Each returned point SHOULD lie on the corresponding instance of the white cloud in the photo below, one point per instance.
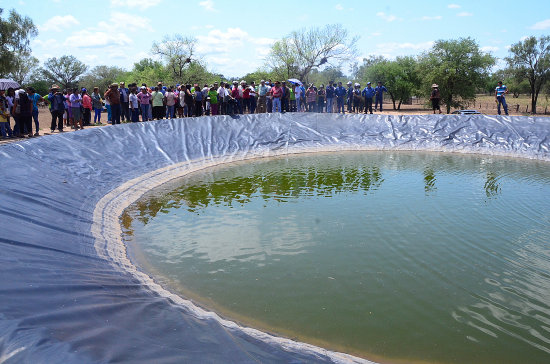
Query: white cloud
(120, 21)
(92, 39)
(208, 5)
(376, 34)
(488, 49)
(393, 47)
(339, 7)
(524, 37)
(58, 23)
(541, 25)
(464, 13)
(386, 17)
(453, 6)
(142, 5)
(437, 17)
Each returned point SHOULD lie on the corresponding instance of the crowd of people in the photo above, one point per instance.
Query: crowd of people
(74, 107)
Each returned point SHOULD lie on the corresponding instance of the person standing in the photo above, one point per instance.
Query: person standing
(134, 105)
(113, 97)
(277, 94)
(349, 95)
(5, 126)
(330, 96)
(97, 105)
(262, 93)
(57, 109)
(23, 113)
(144, 98)
(198, 96)
(170, 103)
(435, 97)
(124, 102)
(35, 98)
(252, 93)
(158, 103)
(76, 102)
(379, 95)
(357, 99)
(87, 108)
(500, 92)
(321, 98)
(340, 93)
(298, 95)
(214, 101)
(368, 93)
(311, 98)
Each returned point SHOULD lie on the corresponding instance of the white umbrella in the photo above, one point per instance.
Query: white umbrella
(295, 81)
(6, 84)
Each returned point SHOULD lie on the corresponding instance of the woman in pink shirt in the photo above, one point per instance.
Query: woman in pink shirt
(87, 105)
(144, 98)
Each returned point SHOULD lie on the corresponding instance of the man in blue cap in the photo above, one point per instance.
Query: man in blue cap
(368, 93)
(379, 95)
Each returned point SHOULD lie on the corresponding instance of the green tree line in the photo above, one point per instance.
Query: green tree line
(315, 55)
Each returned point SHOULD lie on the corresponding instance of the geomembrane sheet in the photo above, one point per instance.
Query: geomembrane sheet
(69, 294)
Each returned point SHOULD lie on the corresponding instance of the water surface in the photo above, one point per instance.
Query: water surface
(393, 256)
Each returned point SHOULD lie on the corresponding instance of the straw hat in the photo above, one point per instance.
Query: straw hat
(434, 85)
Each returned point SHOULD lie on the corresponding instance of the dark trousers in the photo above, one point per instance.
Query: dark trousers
(86, 117)
(377, 101)
(125, 111)
(285, 105)
(368, 105)
(135, 115)
(252, 105)
(24, 122)
(115, 114)
(57, 116)
(320, 105)
(198, 108)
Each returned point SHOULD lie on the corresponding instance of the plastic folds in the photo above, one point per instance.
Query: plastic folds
(69, 294)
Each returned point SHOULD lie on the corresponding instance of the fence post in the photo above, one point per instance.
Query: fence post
(527, 109)
(546, 108)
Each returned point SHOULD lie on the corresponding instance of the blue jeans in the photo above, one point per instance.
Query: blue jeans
(377, 100)
(109, 115)
(144, 112)
(170, 111)
(340, 104)
(97, 116)
(329, 104)
(35, 118)
(276, 104)
(5, 127)
(298, 104)
(502, 100)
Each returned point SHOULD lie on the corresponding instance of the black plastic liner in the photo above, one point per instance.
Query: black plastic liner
(67, 292)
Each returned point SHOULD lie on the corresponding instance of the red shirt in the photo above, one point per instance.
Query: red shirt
(277, 91)
(87, 101)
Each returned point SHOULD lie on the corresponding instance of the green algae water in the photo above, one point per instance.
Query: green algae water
(392, 256)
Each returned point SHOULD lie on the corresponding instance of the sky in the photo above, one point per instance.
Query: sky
(234, 37)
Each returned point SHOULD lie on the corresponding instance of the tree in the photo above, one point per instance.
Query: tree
(102, 76)
(15, 34)
(65, 71)
(400, 77)
(304, 50)
(177, 51)
(458, 66)
(530, 59)
(23, 66)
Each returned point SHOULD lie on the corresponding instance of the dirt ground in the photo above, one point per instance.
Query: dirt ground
(416, 108)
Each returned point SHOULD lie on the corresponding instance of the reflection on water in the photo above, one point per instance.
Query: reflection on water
(434, 258)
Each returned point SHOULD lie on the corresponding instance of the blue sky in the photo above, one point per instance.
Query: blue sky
(235, 36)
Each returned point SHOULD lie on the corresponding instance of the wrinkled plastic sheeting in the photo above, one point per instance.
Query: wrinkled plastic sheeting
(60, 301)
